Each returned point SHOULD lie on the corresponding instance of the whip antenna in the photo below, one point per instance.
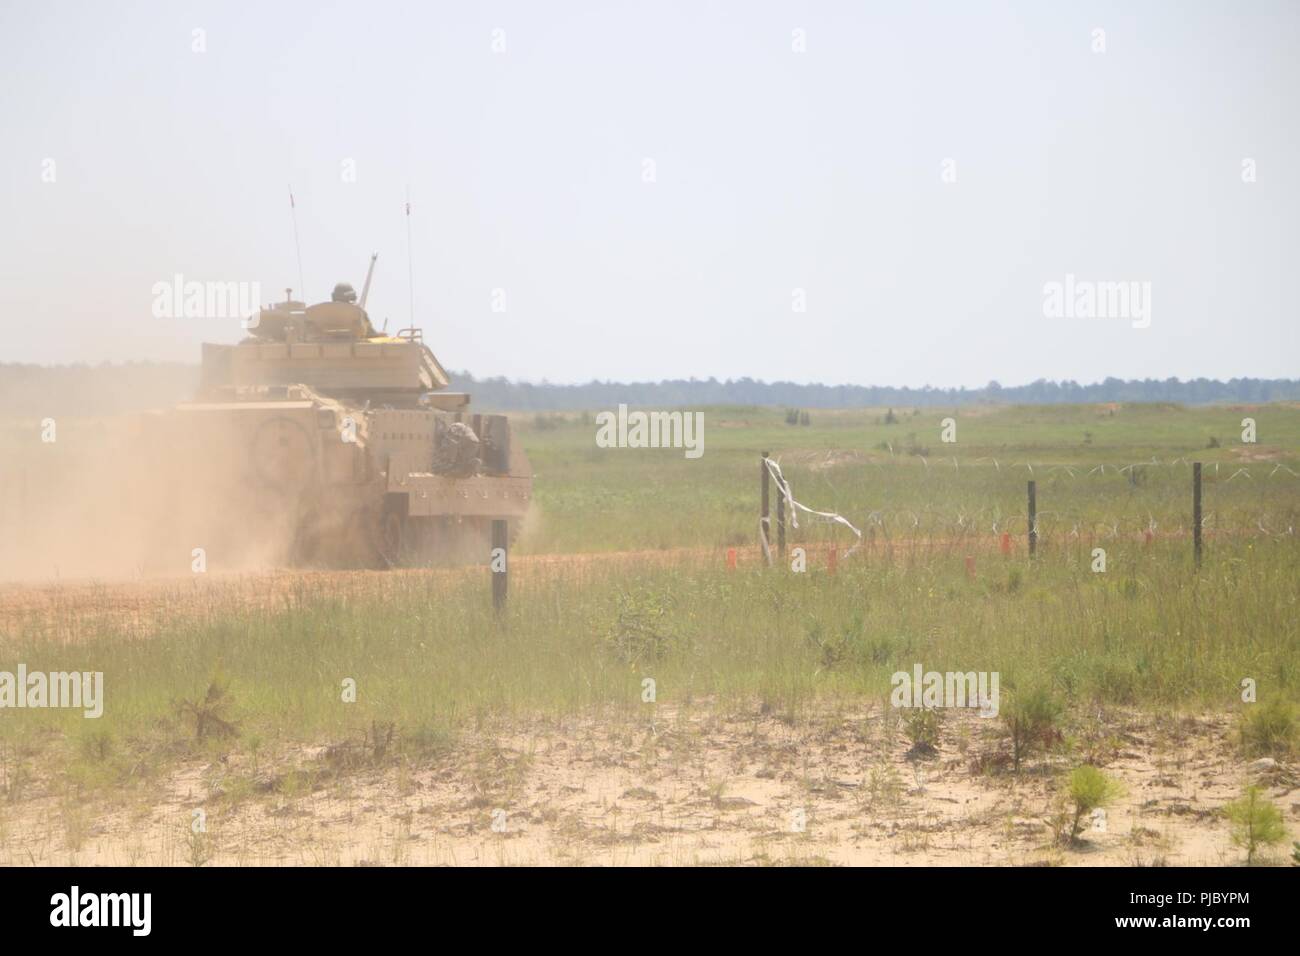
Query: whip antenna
(293, 212)
(410, 268)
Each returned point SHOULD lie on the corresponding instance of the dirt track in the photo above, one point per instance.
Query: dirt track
(75, 609)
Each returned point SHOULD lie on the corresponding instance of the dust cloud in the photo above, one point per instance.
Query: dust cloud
(127, 496)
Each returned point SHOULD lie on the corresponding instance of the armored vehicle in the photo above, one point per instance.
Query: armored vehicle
(319, 440)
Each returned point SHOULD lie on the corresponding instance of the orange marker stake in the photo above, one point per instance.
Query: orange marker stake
(1006, 542)
(731, 559)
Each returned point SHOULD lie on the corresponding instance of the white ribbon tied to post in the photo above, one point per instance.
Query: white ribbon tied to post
(783, 489)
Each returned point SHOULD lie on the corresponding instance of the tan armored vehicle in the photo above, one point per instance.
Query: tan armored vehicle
(320, 441)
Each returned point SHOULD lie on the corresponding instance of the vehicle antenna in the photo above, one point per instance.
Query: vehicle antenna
(293, 212)
(410, 268)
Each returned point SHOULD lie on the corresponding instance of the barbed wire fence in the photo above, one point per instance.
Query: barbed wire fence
(1157, 502)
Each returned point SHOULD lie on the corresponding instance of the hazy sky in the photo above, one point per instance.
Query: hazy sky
(774, 170)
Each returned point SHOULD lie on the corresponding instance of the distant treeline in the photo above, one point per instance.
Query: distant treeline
(500, 393)
(37, 391)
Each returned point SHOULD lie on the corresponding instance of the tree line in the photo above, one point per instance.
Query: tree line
(502, 393)
(109, 389)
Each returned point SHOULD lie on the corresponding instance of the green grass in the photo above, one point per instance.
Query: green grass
(436, 662)
(432, 659)
(589, 498)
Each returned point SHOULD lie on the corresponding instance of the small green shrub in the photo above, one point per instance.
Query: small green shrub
(642, 632)
(836, 648)
(1256, 822)
(921, 725)
(1090, 790)
(1030, 718)
(209, 712)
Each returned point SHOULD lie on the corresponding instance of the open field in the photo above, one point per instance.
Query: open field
(901, 479)
(70, 509)
(769, 737)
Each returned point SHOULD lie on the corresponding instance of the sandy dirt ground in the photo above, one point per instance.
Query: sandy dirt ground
(703, 785)
(694, 787)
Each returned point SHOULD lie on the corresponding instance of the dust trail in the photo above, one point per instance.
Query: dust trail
(116, 498)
